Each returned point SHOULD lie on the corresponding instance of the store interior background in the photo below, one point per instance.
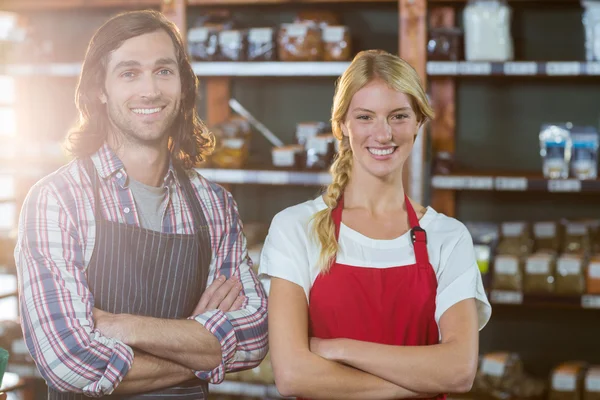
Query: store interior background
(498, 120)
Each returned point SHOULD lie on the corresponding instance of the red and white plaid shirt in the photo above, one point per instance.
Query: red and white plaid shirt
(55, 243)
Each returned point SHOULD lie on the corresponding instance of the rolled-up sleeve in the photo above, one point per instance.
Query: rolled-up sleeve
(243, 333)
(56, 303)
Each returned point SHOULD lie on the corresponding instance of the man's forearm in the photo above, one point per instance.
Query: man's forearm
(149, 373)
(184, 342)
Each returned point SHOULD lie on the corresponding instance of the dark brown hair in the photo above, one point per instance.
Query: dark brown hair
(190, 141)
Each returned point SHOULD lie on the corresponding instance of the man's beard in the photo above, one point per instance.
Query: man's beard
(124, 129)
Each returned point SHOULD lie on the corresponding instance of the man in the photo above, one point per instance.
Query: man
(116, 248)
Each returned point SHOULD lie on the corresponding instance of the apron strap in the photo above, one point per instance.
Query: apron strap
(89, 167)
(191, 198)
(336, 214)
(418, 236)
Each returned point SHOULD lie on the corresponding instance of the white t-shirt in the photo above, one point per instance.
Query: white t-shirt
(291, 252)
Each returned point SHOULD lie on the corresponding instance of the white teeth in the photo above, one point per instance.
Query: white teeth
(146, 110)
(385, 152)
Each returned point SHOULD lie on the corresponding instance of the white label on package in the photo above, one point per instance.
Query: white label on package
(564, 382)
(592, 381)
(227, 38)
(19, 347)
(512, 229)
(576, 229)
(594, 270)
(506, 265)
(296, 30)
(538, 266)
(569, 266)
(492, 367)
(544, 230)
(233, 143)
(197, 35)
(333, 34)
(260, 35)
(283, 158)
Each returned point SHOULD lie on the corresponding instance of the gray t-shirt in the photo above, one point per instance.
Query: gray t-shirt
(150, 202)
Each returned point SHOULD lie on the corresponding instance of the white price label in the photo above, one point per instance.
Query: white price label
(492, 367)
(442, 68)
(333, 34)
(569, 266)
(564, 185)
(543, 230)
(228, 38)
(448, 182)
(563, 68)
(592, 380)
(538, 266)
(576, 229)
(296, 30)
(260, 35)
(475, 68)
(512, 229)
(590, 301)
(594, 271)
(564, 382)
(520, 68)
(506, 297)
(593, 68)
(506, 183)
(506, 265)
(480, 183)
(197, 35)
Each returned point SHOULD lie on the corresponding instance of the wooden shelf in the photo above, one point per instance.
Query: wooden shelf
(507, 297)
(225, 69)
(49, 5)
(517, 68)
(266, 177)
(512, 183)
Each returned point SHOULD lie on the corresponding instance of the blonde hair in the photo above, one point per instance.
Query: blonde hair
(366, 66)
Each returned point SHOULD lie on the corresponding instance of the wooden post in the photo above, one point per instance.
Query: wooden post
(176, 11)
(443, 127)
(412, 44)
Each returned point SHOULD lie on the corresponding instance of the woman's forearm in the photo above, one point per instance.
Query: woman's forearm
(440, 368)
(314, 377)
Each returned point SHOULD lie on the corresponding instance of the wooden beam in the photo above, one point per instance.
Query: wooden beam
(412, 42)
(443, 127)
(176, 11)
(217, 100)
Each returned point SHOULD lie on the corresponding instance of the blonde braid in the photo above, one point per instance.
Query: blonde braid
(323, 226)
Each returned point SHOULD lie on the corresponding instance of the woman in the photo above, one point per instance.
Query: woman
(372, 296)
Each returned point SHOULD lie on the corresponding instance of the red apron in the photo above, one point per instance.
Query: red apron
(393, 306)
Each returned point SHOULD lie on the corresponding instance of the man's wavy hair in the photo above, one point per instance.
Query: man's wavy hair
(189, 142)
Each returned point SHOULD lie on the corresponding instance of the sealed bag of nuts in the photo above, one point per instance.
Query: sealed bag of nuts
(566, 382)
(300, 42)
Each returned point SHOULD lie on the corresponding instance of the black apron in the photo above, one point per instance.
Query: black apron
(142, 272)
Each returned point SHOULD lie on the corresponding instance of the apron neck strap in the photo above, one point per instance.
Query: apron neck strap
(418, 236)
(336, 214)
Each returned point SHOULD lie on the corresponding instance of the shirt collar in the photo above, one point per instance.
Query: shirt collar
(108, 164)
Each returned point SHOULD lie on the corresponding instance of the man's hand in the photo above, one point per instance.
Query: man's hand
(223, 294)
(112, 325)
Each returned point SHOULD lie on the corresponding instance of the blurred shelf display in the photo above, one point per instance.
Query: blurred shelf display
(513, 68)
(512, 183)
(265, 177)
(246, 389)
(208, 68)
